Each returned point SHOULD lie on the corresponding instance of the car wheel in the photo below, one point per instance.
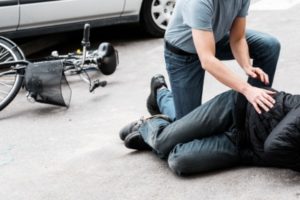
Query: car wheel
(155, 16)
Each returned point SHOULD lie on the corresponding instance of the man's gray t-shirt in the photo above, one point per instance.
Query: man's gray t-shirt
(209, 15)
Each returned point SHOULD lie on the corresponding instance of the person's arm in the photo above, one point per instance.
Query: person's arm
(291, 101)
(282, 145)
(205, 45)
(240, 50)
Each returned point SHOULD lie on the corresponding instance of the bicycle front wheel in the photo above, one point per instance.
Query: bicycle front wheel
(10, 80)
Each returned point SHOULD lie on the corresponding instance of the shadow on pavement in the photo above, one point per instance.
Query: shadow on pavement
(40, 46)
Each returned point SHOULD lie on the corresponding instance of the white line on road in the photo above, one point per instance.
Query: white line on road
(274, 4)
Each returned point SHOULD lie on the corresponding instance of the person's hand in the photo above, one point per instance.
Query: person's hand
(257, 73)
(260, 98)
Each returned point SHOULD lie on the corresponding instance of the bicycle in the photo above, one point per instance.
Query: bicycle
(43, 78)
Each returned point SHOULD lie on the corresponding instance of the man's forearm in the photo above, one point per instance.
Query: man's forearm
(240, 52)
(223, 74)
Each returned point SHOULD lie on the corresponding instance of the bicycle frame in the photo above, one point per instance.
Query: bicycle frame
(104, 59)
(22, 64)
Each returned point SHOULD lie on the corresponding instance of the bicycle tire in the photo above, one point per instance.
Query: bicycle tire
(16, 54)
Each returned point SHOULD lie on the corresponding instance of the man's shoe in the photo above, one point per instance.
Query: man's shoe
(135, 141)
(133, 138)
(157, 82)
(132, 127)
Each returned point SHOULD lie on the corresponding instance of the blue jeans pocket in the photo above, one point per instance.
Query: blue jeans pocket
(184, 71)
(175, 60)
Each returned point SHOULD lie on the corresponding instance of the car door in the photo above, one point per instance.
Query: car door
(9, 15)
(39, 13)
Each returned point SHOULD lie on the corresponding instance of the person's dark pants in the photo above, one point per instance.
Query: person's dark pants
(186, 74)
(197, 142)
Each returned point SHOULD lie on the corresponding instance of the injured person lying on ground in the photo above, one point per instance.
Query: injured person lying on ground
(224, 132)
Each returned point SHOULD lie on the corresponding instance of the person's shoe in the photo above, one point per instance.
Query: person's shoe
(134, 140)
(132, 127)
(157, 82)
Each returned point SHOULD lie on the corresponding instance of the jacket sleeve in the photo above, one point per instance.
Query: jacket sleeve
(282, 147)
(291, 101)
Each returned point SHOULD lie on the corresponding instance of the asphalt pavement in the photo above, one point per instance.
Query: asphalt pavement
(53, 153)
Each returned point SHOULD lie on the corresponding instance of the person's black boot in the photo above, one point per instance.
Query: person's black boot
(157, 82)
(135, 141)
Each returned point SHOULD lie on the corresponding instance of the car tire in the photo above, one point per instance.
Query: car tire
(155, 16)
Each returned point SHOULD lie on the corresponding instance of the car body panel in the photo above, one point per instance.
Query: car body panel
(132, 7)
(55, 12)
(9, 15)
(19, 18)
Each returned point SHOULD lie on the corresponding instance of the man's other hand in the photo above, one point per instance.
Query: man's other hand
(257, 73)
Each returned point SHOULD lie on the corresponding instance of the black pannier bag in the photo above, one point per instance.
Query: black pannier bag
(46, 83)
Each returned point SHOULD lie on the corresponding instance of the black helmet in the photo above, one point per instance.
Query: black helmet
(107, 58)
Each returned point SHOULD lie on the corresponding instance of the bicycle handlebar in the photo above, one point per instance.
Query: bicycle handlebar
(86, 36)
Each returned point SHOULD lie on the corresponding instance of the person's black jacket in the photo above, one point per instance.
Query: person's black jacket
(271, 138)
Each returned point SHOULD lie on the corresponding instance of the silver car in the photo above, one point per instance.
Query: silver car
(34, 17)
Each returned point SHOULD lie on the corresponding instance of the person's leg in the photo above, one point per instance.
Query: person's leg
(165, 103)
(160, 99)
(215, 116)
(186, 75)
(207, 154)
(264, 49)
(186, 78)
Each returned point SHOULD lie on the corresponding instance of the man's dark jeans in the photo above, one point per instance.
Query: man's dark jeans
(186, 74)
(197, 142)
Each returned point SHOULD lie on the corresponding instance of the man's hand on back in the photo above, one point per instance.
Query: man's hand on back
(259, 98)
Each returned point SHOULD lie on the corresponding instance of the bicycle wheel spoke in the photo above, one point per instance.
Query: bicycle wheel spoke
(7, 73)
(2, 50)
(4, 84)
(10, 79)
(3, 55)
(3, 92)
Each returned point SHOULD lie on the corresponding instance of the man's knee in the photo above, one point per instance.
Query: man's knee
(272, 44)
(208, 154)
(178, 162)
(263, 45)
(183, 162)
